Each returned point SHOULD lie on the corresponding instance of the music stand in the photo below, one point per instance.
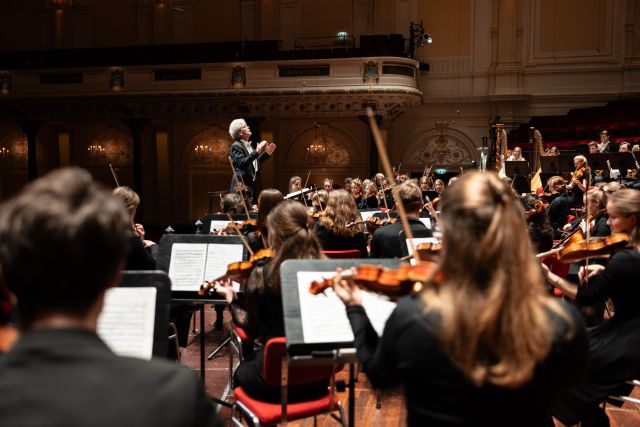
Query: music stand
(597, 161)
(518, 171)
(300, 349)
(621, 161)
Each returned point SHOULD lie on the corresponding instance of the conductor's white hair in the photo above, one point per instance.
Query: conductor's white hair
(235, 127)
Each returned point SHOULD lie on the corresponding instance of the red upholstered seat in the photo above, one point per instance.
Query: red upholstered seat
(241, 333)
(271, 413)
(350, 253)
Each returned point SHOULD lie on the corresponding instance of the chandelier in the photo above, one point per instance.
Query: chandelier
(317, 150)
(4, 153)
(204, 150)
(96, 150)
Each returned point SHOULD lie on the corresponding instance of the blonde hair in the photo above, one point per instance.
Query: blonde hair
(628, 202)
(340, 210)
(130, 198)
(583, 161)
(494, 311)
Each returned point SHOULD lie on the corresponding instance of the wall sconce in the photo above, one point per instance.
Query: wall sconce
(117, 80)
(4, 153)
(204, 150)
(5, 84)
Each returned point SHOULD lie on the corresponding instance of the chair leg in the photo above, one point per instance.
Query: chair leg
(378, 403)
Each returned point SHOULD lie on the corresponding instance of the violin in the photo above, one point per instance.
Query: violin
(243, 227)
(427, 252)
(238, 271)
(597, 247)
(393, 283)
(538, 209)
(357, 195)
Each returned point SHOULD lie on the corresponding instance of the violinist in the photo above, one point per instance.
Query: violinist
(327, 185)
(348, 184)
(319, 202)
(63, 241)
(379, 179)
(267, 200)
(538, 226)
(595, 202)
(580, 180)
(332, 229)
(614, 346)
(425, 184)
(295, 184)
(386, 241)
(259, 310)
(482, 328)
(139, 257)
(358, 194)
(559, 203)
(371, 196)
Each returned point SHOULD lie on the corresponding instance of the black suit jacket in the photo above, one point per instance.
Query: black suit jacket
(386, 241)
(69, 377)
(242, 161)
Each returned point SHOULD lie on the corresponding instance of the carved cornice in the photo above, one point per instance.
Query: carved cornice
(282, 103)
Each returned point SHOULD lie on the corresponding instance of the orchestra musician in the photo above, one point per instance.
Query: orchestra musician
(358, 194)
(245, 159)
(63, 242)
(614, 346)
(327, 185)
(259, 310)
(580, 180)
(333, 230)
(605, 146)
(482, 333)
(386, 241)
(559, 204)
(516, 155)
(371, 195)
(295, 184)
(267, 200)
(140, 257)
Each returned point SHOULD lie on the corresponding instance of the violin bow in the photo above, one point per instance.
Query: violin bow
(304, 199)
(387, 167)
(113, 173)
(237, 230)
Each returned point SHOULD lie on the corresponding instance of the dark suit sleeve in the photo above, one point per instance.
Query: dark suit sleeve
(240, 158)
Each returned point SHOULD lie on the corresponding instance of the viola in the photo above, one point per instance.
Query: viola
(238, 271)
(393, 283)
(597, 247)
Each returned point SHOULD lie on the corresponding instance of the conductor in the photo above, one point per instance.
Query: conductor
(245, 159)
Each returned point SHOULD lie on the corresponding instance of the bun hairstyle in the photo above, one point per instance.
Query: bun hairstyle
(290, 237)
(487, 306)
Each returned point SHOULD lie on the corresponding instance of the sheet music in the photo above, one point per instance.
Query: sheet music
(220, 256)
(127, 320)
(324, 318)
(218, 225)
(186, 267)
(365, 215)
(416, 242)
(426, 222)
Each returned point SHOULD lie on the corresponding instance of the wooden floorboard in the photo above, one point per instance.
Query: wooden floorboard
(392, 411)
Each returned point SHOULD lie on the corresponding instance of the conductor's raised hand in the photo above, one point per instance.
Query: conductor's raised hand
(348, 292)
(271, 148)
(262, 145)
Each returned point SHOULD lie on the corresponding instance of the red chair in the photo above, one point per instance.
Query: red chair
(275, 359)
(350, 253)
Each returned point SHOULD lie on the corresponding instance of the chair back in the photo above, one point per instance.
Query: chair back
(349, 253)
(275, 350)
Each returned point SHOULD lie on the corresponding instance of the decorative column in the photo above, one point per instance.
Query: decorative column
(136, 127)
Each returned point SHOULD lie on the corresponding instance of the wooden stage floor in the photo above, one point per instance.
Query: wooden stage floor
(392, 410)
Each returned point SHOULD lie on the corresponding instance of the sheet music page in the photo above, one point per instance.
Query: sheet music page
(127, 321)
(186, 267)
(416, 242)
(217, 224)
(426, 222)
(220, 256)
(368, 214)
(324, 318)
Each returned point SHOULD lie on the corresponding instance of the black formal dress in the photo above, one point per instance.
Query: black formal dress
(139, 258)
(242, 160)
(436, 391)
(332, 242)
(577, 194)
(558, 212)
(614, 346)
(69, 377)
(386, 241)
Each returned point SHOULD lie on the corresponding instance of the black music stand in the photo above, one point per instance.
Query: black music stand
(597, 161)
(518, 171)
(163, 263)
(622, 161)
(555, 165)
(160, 281)
(300, 350)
